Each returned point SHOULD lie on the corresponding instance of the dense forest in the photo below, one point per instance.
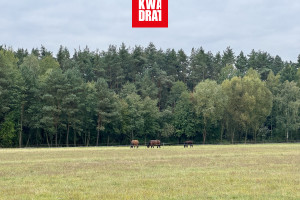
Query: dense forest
(110, 97)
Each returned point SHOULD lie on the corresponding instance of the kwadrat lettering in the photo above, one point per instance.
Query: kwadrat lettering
(150, 10)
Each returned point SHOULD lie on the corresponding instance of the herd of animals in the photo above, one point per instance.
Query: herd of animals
(152, 143)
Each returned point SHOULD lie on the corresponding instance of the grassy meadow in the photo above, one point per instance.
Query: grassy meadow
(269, 171)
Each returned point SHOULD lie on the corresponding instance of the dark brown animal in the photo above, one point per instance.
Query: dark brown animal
(187, 143)
(134, 143)
(153, 143)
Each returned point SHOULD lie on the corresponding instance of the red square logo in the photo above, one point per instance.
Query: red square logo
(150, 13)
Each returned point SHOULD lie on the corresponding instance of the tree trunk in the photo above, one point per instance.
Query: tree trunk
(98, 128)
(246, 136)
(56, 125)
(107, 140)
(271, 127)
(232, 135)
(88, 139)
(28, 139)
(74, 136)
(56, 135)
(287, 130)
(97, 137)
(21, 126)
(68, 131)
(222, 131)
(59, 141)
(204, 131)
(36, 135)
(47, 139)
(204, 135)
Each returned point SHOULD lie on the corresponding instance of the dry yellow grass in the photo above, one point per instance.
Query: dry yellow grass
(270, 171)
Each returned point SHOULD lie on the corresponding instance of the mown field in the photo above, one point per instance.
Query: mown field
(270, 171)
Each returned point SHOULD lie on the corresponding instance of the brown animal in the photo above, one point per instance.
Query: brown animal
(134, 143)
(153, 143)
(187, 143)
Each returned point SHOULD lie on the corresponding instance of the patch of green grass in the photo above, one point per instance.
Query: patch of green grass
(270, 171)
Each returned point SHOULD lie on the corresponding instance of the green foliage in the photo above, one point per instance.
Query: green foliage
(227, 72)
(7, 133)
(287, 105)
(210, 103)
(47, 63)
(228, 57)
(185, 120)
(53, 90)
(63, 58)
(21, 54)
(134, 117)
(262, 62)
(11, 83)
(106, 106)
(146, 87)
(182, 67)
(72, 102)
(250, 102)
(241, 63)
(112, 96)
(32, 63)
(150, 115)
(113, 68)
(128, 88)
(199, 69)
(177, 89)
(297, 78)
(288, 73)
(277, 65)
(273, 83)
(259, 100)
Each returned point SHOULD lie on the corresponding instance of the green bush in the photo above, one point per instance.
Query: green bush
(7, 133)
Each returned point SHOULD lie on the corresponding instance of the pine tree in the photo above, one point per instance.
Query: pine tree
(228, 57)
(241, 63)
(72, 103)
(185, 120)
(106, 106)
(53, 90)
(63, 58)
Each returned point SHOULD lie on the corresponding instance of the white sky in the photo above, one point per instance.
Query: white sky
(267, 25)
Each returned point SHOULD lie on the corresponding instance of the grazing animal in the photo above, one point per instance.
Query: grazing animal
(134, 143)
(153, 143)
(187, 143)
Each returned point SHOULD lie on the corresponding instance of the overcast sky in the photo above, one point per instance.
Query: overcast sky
(267, 25)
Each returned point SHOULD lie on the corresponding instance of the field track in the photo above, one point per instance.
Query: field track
(269, 171)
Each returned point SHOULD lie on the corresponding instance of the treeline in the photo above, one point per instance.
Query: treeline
(110, 97)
